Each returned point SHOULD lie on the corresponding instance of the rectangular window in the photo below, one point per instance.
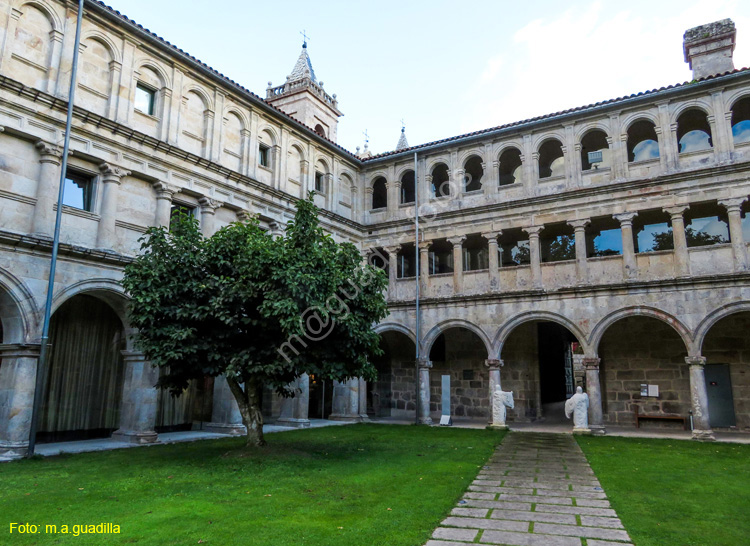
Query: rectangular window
(319, 182)
(263, 159)
(178, 209)
(145, 99)
(79, 191)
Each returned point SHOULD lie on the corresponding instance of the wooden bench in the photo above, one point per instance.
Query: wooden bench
(663, 416)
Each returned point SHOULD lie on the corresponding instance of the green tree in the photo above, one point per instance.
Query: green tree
(665, 239)
(261, 311)
(562, 247)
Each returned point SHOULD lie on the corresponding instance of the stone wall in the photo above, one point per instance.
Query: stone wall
(728, 342)
(638, 350)
(520, 373)
(394, 391)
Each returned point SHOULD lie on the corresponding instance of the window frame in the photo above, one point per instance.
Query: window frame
(152, 93)
(264, 155)
(77, 176)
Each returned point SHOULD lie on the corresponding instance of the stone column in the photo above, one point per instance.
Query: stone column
(458, 263)
(629, 263)
(47, 189)
(208, 215)
(17, 384)
(491, 237)
(535, 255)
(493, 365)
(294, 411)
(392, 194)
(346, 400)
(363, 400)
(111, 177)
(739, 249)
(681, 257)
(164, 193)
(594, 390)
(699, 397)
(225, 413)
(424, 268)
(423, 408)
(579, 226)
(139, 399)
(392, 269)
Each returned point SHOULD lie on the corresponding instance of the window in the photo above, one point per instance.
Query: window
(145, 99)
(79, 191)
(407, 188)
(180, 210)
(263, 156)
(379, 194)
(319, 182)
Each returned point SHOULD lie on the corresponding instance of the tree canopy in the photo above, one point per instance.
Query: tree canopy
(260, 310)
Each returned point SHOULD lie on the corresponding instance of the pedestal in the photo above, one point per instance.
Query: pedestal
(17, 384)
(139, 399)
(225, 414)
(346, 401)
(294, 411)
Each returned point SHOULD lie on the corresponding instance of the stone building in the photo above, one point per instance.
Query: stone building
(603, 245)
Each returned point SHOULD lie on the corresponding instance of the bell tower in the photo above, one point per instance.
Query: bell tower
(303, 98)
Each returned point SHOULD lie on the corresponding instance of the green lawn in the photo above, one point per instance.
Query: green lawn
(350, 485)
(675, 492)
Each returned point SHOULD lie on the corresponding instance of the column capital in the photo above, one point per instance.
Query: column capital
(591, 362)
(625, 218)
(424, 246)
(392, 250)
(112, 173)
(424, 364)
(209, 205)
(492, 236)
(12, 350)
(165, 190)
(49, 152)
(494, 363)
(533, 231)
(457, 240)
(695, 360)
(580, 223)
(133, 356)
(676, 210)
(734, 204)
(245, 215)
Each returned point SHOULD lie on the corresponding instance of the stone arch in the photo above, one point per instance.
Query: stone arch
(384, 327)
(712, 318)
(234, 111)
(435, 161)
(541, 138)
(106, 41)
(109, 291)
(155, 67)
(47, 10)
(594, 125)
(695, 104)
(18, 310)
(506, 329)
(323, 163)
(441, 327)
(634, 117)
(198, 90)
(297, 145)
(372, 177)
(503, 146)
(639, 310)
(403, 169)
(270, 131)
(467, 154)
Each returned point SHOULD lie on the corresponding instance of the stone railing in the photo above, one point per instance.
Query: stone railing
(299, 85)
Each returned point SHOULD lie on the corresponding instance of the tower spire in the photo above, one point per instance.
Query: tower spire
(403, 144)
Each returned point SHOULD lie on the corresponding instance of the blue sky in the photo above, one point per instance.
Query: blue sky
(446, 68)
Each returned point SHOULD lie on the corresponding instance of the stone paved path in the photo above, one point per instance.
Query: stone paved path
(536, 490)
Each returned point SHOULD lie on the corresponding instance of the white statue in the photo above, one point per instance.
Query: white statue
(578, 406)
(500, 400)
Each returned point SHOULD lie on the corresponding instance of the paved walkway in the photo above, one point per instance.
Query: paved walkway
(536, 490)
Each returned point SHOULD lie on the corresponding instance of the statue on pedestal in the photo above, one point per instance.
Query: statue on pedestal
(578, 406)
(500, 401)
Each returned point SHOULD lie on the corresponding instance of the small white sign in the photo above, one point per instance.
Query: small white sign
(445, 421)
(653, 390)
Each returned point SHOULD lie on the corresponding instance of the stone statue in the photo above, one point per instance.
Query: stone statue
(500, 400)
(578, 406)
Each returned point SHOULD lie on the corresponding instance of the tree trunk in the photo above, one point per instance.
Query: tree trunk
(248, 400)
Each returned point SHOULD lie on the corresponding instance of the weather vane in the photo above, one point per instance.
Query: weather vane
(402, 124)
(305, 37)
(367, 137)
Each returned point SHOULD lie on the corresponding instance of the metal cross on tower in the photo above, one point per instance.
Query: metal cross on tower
(305, 38)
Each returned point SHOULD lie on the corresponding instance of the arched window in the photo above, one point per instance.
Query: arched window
(379, 194)
(593, 142)
(473, 173)
(741, 121)
(94, 77)
(441, 186)
(319, 129)
(511, 167)
(407, 187)
(693, 131)
(643, 143)
(551, 159)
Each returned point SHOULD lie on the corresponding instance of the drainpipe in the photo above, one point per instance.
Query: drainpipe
(416, 284)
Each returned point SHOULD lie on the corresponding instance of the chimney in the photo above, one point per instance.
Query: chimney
(708, 48)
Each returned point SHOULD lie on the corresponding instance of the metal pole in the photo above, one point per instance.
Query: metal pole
(43, 352)
(416, 255)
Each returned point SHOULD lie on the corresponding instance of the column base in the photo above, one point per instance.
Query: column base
(365, 418)
(291, 422)
(425, 420)
(11, 451)
(352, 417)
(497, 427)
(598, 430)
(134, 437)
(232, 429)
(583, 431)
(704, 435)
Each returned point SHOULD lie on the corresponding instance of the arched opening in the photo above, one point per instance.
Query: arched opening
(84, 376)
(319, 130)
(741, 121)
(407, 187)
(187, 411)
(320, 404)
(473, 173)
(393, 394)
(643, 142)
(379, 194)
(440, 181)
(542, 369)
(551, 159)
(460, 353)
(693, 131)
(510, 166)
(635, 352)
(595, 143)
(727, 351)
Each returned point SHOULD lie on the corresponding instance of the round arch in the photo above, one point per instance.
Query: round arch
(441, 327)
(697, 104)
(54, 18)
(507, 146)
(715, 316)
(105, 40)
(18, 310)
(638, 310)
(384, 327)
(635, 117)
(537, 143)
(148, 63)
(436, 161)
(232, 111)
(507, 329)
(466, 155)
(109, 291)
(586, 128)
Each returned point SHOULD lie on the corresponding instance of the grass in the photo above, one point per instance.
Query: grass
(351, 485)
(675, 492)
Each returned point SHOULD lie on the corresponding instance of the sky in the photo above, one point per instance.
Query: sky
(444, 68)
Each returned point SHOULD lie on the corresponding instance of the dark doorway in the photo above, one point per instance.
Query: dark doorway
(555, 367)
(321, 398)
(720, 399)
